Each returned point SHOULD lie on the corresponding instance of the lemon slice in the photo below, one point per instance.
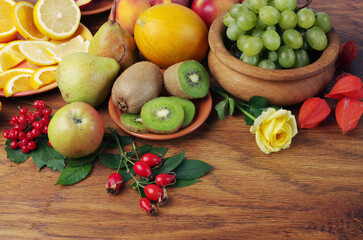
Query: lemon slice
(8, 31)
(22, 16)
(16, 84)
(2, 45)
(57, 19)
(34, 52)
(5, 76)
(42, 77)
(10, 55)
(81, 31)
(61, 51)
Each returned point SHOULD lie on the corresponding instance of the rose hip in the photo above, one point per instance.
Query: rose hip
(164, 179)
(142, 169)
(114, 183)
(155, 193)
(146, 205)
(151, 159)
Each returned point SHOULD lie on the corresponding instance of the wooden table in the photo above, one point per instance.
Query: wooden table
(313, 190)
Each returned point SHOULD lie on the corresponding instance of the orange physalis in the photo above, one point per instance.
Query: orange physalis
(347, 53)
(313, 112)
(348, 112)
(349, 86)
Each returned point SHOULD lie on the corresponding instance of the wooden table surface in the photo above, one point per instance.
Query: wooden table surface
(313, 190)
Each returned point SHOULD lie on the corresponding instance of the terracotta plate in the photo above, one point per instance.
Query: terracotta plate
(97, 6)
(203, 108)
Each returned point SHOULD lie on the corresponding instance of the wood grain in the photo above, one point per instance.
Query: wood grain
(311, 191)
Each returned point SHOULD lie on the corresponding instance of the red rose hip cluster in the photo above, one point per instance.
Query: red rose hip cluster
(28, 126)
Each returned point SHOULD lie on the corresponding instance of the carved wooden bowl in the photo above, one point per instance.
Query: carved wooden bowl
(281, 87)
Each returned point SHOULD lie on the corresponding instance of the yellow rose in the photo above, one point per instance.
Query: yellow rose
(274, 130)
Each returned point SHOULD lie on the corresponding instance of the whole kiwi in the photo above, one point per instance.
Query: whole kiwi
(138, 84)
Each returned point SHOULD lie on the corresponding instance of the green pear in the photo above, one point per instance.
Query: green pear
(84, 77)
(111, 40)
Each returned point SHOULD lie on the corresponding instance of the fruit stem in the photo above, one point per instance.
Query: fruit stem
(113, 13)
(134, 149)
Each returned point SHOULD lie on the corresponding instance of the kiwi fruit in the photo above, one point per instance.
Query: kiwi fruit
(189, 109)
(133, 123)
(188, 79)
(138, 84)
(162, 115)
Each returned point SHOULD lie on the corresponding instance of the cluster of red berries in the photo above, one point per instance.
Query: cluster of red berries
(27, 126)
(155, 193)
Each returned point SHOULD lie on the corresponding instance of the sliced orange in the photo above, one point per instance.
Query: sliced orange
(10, 56)
(8, 31)
(2, 45)
(16, 84)
(35, 52)
(42, 77)
(6, 75)
(22, 16)
(57, 19)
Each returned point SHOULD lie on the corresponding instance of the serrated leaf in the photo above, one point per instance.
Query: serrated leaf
(44, 155)
(125, 175)
(184, 183)
(192, 169)
(15, 155)
(149, 149)
(231, 106)
(75, 162)
(170, 163)
(144, 149)
(124, 141)
(159, 150)
(221, 109)
(73, 175)
(111, 160)
(257, 102)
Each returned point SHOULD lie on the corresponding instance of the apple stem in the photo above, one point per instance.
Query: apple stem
(113, 13)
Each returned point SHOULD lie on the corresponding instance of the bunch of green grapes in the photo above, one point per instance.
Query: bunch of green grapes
(273, 34)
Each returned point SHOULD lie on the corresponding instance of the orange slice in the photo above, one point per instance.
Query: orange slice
(22, 16)
(10, 56)
(16, 84)
(7, 30)
(42, 77)
(5, 76)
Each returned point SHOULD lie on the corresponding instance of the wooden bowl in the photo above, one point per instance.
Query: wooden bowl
(280, 87)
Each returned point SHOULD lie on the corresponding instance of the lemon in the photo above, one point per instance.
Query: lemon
(17, 83)
(81, 31)
(35, 52)
(6, 75)
(8, 31)
(57, 19)
(2, 45)
(10, 55)
(43, 76)
(22, 16)
(61, 51)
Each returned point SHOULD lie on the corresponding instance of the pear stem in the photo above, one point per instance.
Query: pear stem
(113, 12)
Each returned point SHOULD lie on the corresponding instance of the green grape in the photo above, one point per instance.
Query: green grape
(228, 19)
(252, 60)
(272, 56)
(236, 9)
(271, 3)
(260, 24)
(288, 20)
(317, 38)
(267, 64)
(283, 5)
(233, 32)
(323, 21)
(305, 18)
(252, 46)
(286, 56)
(302, 59)
(246, 3)
(271, 28)
(257, 32)
(269, 15)
(271, 40)
(246, 20)
(292, 38)
(240, 41)
(305, 46)
(256, 5)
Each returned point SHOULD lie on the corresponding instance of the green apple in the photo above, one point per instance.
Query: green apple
(76, 130)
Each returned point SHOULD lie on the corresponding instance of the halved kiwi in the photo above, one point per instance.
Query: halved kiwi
(162, 115)
(187, 79)
(133, 123)
(189, 109)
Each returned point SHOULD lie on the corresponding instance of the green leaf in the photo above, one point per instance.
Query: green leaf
(257, 102)
(73, 175)
(125, 175)
(124, 140)
(149, 149)
(144, 149)
(15, 155)
(160, 151)
(170, 163)
(221, 109)
(248, 121)
(44, 155)
(75, 162)
(184, 183)
(111, 160)
(231, 106)
(192, 169)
